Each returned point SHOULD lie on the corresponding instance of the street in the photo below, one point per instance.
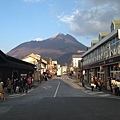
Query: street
(61, 99)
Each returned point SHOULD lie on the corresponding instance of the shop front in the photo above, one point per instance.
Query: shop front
(115, 71)
(113, 66)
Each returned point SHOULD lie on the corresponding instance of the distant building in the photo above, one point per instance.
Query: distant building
(39, 62)
(49, 64)
(32, 58)
(54, 66)
(76, 60)
(77, 65)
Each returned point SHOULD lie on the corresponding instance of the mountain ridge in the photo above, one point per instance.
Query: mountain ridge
(53, 47)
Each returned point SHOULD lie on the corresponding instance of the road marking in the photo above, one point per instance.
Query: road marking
(57, 89)
(47, 87)
(19, 95)
(16, 96)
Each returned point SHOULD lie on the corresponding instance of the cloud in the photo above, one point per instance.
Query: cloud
(102, 2)
(93, 19)
(67, 19)
(33, 1)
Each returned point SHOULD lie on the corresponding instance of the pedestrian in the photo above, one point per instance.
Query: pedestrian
(45, 77)
(82, 79)
(113, 82)
(117, 87)
(29, 81)
(96, 82)
(100, 83)
(110, 84)
(9, 85)
(2, 91)
(92, 81)
(14, 84)
(25, 84)
(22, 85)
(26, 87)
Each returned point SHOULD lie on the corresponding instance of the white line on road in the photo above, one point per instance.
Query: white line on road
(18, 95)
(57, 89)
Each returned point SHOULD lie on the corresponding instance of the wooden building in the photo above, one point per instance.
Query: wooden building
(13, 68)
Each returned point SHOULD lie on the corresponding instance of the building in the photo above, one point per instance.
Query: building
(49, 64)
(39, 62)
(76, 61)
(77, 65)
(11, 67)
(103, 59)
(94, 42)
(54, 67)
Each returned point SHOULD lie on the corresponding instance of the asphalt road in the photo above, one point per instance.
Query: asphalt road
(59, 99)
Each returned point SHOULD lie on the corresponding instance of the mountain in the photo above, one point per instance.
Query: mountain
(67, 58)
(53, 47)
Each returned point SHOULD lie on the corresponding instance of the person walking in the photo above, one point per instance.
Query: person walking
(29, 82)
(25, 84)
(22, 85)
(2, 91)
(96, 82)
(92, 81)
(100, 83)
(9, 85)
(110, 84)
(14, 84)
(45, 77)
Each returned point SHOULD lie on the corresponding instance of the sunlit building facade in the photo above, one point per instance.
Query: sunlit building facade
(103, 59)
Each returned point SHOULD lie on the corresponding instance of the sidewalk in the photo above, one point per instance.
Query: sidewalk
(12, 95)
(88, 87)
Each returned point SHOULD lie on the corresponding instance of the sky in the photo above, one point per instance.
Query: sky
(25, 20)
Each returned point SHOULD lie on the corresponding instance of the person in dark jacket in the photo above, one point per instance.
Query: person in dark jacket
(14, 84)
(22, 85)
(100, 83)
(45, 77)
(9, 85)
(110, 84)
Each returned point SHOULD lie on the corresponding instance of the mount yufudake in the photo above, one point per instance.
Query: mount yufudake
(54, 47)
